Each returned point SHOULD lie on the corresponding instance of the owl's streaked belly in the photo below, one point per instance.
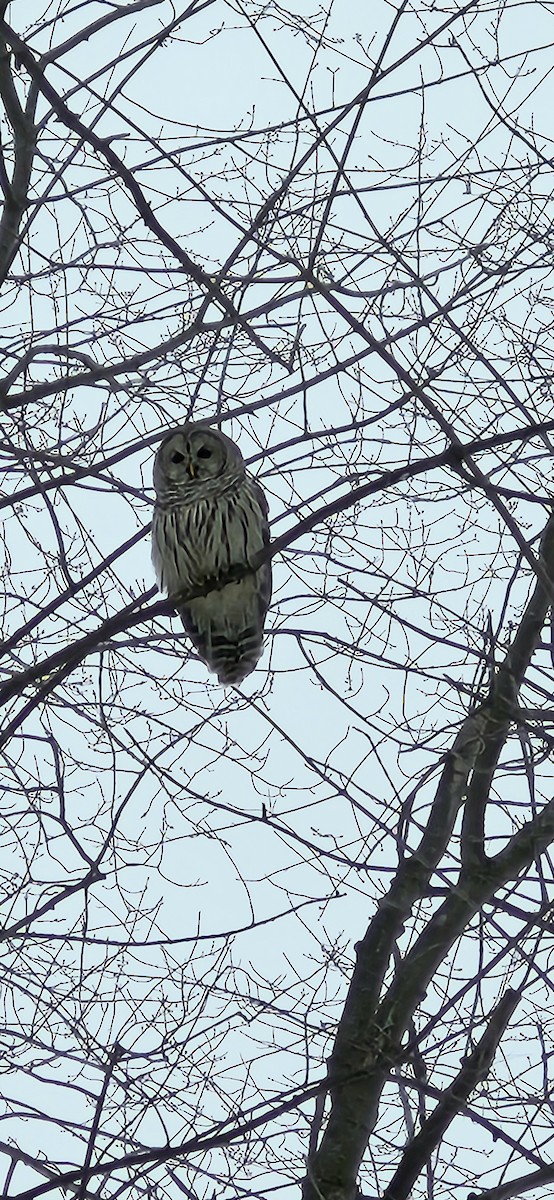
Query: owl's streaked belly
(205, 539)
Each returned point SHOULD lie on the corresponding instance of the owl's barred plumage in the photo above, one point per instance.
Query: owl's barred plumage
(210, 520)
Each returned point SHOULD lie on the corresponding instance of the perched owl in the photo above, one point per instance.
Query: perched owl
(210, 519)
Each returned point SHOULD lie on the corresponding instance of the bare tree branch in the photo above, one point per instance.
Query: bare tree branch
(474, 1070)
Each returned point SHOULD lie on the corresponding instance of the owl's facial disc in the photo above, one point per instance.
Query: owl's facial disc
(194, 454)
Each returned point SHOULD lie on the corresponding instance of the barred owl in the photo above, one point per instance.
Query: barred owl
(210, 519)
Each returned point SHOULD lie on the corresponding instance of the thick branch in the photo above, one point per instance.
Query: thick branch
(517, 1187)
(24, 136)
(474, 1069)
(505, 690)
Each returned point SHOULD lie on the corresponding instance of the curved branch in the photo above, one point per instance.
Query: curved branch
(15, 190)
(474, 1069)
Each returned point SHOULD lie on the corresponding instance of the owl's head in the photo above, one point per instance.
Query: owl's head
(195, 454)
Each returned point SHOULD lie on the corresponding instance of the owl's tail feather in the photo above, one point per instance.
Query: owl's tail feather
(233, 661)
(230, 656)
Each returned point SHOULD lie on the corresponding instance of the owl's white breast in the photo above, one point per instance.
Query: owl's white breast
(193, 542)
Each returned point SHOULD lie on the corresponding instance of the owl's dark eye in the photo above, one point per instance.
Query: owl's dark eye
(177, 457)
(203, 452)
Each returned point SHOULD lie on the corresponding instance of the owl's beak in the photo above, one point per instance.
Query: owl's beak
(191, 469)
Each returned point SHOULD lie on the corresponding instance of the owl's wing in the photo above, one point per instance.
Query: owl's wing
(262, 501)
(264, 575)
